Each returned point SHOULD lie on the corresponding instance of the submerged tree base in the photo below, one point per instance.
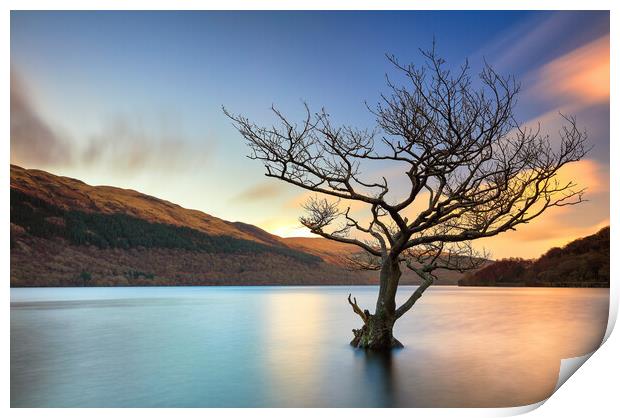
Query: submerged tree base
(361, 339)
(375, 335)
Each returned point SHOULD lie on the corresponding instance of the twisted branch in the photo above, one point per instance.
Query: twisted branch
(357, 309)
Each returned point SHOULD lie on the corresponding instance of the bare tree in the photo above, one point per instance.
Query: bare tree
(477, 171)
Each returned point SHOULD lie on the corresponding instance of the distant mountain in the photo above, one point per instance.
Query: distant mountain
(581, 263)
(65, 232)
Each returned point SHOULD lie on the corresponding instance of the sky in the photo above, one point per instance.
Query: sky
(134, 99)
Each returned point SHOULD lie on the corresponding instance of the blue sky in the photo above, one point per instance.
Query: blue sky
(133, 99)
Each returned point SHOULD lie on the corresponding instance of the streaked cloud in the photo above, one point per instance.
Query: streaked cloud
(578, 78)
(540, 37)
(123, 143)
(33, 141)
(260, 192)
(575, 83)
(131, 145)
(560, 225)
(587, 173)
(522, 40)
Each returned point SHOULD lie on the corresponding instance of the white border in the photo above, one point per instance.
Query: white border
(591, 391)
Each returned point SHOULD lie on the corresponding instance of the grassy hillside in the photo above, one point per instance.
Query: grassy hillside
(69, 194)
(117, 230)
(581, 263)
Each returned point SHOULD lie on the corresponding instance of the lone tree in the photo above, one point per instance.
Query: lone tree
(476, 171)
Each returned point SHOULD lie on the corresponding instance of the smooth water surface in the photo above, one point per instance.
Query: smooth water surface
(288, 346)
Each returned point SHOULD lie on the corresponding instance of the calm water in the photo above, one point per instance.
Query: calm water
(288, 346)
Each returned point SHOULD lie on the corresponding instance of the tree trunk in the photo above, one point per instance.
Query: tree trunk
(376, 334)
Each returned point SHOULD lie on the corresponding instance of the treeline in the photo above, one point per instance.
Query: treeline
(104, 231)
(581, 263)
(39, 262)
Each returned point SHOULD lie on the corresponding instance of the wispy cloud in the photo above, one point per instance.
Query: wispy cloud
(523, 40)
(128, 144)
(541, 37)
(123, 143)
(33, 140)
(558, 226)
(574, 221)
(259, 192)
(578, 78)
(590, 174)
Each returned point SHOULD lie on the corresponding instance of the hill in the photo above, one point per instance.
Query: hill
(65, 232)
(67, 194)
(581, 263)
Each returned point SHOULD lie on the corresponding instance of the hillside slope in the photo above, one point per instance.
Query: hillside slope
(581, 263)
(70, 194)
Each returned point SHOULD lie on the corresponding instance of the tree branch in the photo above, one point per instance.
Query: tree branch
(357, 309)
